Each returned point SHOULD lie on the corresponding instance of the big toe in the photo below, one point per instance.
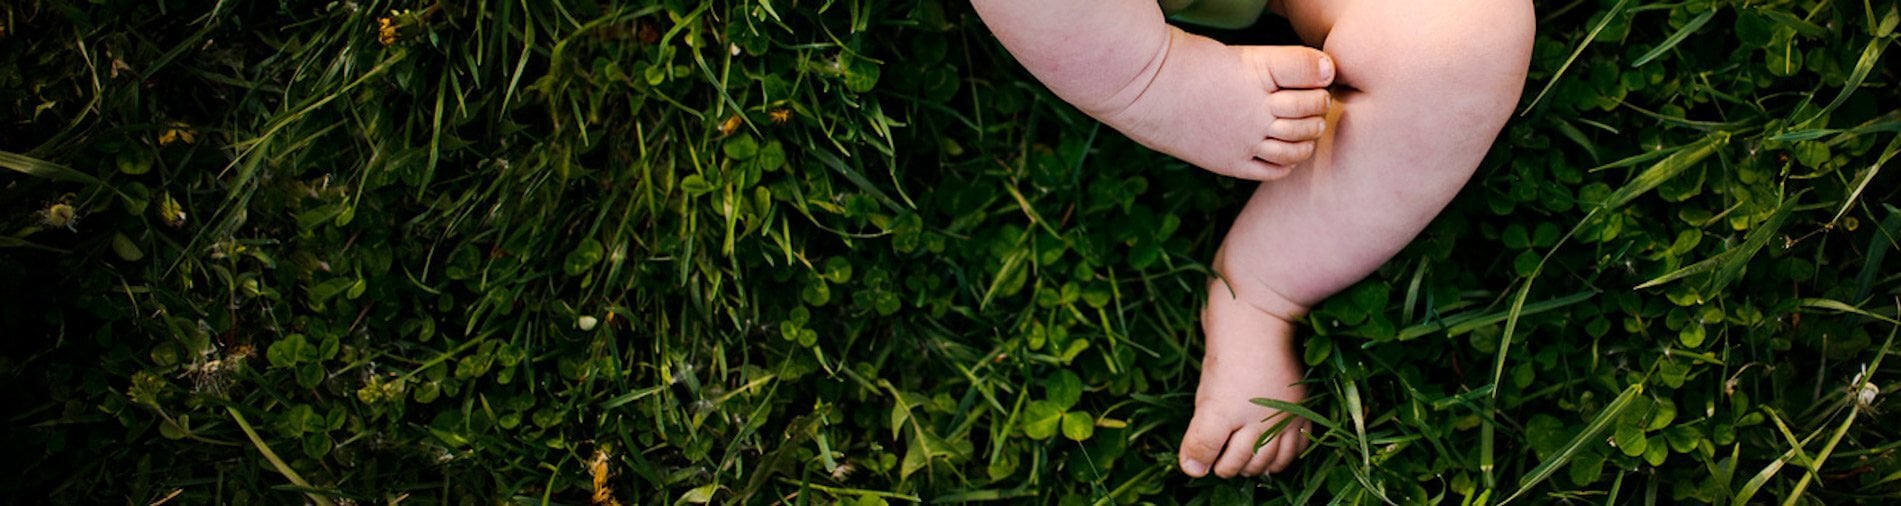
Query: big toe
(1296, 66)
(1202, 444)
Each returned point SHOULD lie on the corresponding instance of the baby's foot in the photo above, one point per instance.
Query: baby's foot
(1251, 112)
(1250, 354)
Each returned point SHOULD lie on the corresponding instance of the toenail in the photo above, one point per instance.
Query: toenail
(1194, 467)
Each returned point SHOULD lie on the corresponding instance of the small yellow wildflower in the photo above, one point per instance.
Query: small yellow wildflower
(729, 126)
(597, 469)
(118, 66)
(780, 115)
(390, 28)
(60, 215)
(386, 30)
(170, 211)
(177, 131)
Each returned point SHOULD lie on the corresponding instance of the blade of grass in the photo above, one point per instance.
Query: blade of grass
(857, 492)
(1488, 459)
(990, 494)
(1412, 292)
(1511, 325)
(1883, 241)
(857, 178)
(521, 60)
(1633, 160)
(1782, 427)
(1029, 210)
(41, 168)
(1577, 136)
(1466, 322)
(1869, 57)
(1762, 477)
(1871, 127)
(1297, 410)
(1836, 305)
(1667, 168)
(1608, 16)
(1518, 305)
(1367, 485)
(1890, 478)
(15, 242)
(1866, 175)
(1854, 412)
(1675, 38)
(1729, 264)
(248, 148)
(1313, 486)
(1010, 267)
(271, 456)
(628, 397)
(1143, 477)
(1603, 420)
(435, 137)
(1357, 411)
(1800, 26)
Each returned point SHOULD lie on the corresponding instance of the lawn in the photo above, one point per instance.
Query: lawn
(848, 251)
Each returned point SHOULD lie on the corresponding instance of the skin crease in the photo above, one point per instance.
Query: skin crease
(1421, 89)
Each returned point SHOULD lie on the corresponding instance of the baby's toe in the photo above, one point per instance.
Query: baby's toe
(1279, 152)
(1292, 442)
(1202, 444)
(1240, 453)
(1297, 129)
(1262, 459)
(1255, 169)
(1295, 66)
(1298, 103)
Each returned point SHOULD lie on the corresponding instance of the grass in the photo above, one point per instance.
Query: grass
(847, 252)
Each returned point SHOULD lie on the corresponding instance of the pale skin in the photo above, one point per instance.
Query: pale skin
(1419, 90)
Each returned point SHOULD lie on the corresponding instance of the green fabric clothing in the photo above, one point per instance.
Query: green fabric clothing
(1225, 14)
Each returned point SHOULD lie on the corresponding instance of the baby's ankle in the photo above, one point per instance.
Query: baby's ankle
(1259, 296)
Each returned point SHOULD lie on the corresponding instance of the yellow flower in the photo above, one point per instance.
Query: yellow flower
(60, 215)
(780, 116)
(177, 131)
(729, 126)
(170, 211)
(597, 469)
(386, 31)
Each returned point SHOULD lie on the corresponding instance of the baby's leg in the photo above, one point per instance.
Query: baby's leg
(1245, 111)
(1424, 88)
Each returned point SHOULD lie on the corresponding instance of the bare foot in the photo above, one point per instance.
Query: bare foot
(1251, 112)
(1250, 354)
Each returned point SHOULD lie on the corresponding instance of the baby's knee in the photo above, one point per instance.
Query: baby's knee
(1428, 45)
(1498, 41)
(1487, 42)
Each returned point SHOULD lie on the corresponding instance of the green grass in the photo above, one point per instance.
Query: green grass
(848, 252)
